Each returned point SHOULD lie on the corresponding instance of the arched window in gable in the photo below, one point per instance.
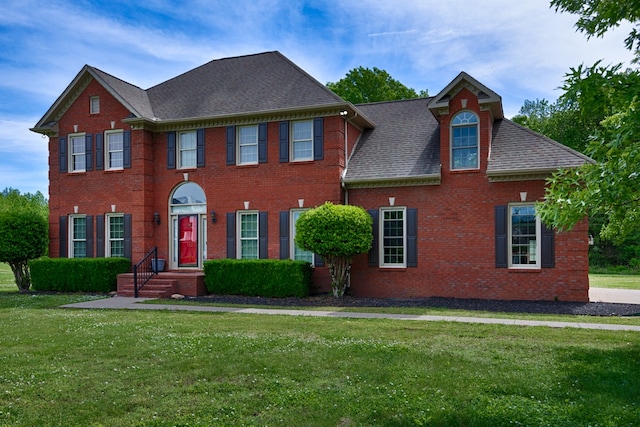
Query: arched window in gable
(465, 145)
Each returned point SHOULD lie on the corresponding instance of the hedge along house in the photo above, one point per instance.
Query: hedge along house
(221, 160)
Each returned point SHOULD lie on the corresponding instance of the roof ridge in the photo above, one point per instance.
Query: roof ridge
(425, 98)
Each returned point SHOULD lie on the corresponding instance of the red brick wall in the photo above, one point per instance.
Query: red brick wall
(456, 240)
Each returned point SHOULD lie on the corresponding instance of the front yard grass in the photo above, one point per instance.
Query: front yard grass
(161, 368)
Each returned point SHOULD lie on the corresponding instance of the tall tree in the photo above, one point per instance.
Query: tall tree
(596, 17)
(610, 187)
(362, 85)
(23, 232)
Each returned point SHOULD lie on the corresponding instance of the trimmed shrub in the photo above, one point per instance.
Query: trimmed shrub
(77, 274)
(262, 277)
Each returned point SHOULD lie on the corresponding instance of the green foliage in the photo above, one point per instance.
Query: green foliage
(24, 232)
(335, 230)
(596, 17)
(337, 233)
(362, 85)
(610, 187)
(77, 274)
(263, 277)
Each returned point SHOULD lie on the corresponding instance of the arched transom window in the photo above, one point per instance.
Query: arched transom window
(465, 146)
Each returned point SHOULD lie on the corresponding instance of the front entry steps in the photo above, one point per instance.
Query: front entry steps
(165, 284)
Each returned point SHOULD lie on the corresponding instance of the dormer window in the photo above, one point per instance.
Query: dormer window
(464, 141)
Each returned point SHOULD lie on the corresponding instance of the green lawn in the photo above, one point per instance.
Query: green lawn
(162, 368)
(619, 281)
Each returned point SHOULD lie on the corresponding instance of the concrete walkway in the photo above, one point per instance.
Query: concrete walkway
(619, 296)
(127, 303)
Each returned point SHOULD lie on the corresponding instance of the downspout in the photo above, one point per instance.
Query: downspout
(346, 154)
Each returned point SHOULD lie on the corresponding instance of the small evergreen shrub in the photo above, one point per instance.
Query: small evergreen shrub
(77, 274)
(264, 277)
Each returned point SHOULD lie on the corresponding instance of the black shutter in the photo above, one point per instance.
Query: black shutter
(501, 219)
(231, 235)
(88, 152)
(128, 246)
(200, 148)
(548, 247)
(412, 237)
(171, 150)
(62, 154)
(126, 149)
(318, 139)
(262, 230)
(318, 261)
(64, 237)
(99, 152)
(284, 142)
(89, 234)
(374, 251)
(262, 143)
(231, 145)
(100, 236)
(284, 235)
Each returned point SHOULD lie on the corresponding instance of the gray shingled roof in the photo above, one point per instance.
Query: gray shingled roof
(262, 82)
(405, 142)
(517, 148)
(131, 96)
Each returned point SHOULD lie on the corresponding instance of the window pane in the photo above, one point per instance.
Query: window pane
(302, 140)
(248, 144)
(78, 153)
(187, 150)
(116, 227)
(249, 236)
(393, 239)
(298, 253)
(79, 236)
(523, 235)
(115, 147)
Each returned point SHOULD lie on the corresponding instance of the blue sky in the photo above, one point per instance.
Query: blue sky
(519, 49)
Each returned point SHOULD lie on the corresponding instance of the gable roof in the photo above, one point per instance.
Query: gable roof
(264, 83)
(403, 149)
(486, 97)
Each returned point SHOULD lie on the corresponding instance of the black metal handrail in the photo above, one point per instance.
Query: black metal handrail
(145, 270)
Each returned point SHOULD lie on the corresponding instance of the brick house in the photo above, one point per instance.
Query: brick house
(221, 160)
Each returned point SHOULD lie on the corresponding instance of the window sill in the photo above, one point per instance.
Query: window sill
(115, 170)
(461, 171)
(392, 269)
(301, 162)
(76, 173)
(525, 270)
(248, 165)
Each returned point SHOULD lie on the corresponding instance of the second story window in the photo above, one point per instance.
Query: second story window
(248, 145)
(114, 149)
(77, 149)
(302, 140)
(464, 141)
(187, 150)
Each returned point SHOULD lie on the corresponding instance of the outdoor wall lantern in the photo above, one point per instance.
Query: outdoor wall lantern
(214, 219)
(156, 217)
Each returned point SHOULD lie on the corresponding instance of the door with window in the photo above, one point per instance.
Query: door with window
(188, 207)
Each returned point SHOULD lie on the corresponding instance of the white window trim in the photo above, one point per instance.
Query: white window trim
(293, 141)
(94, 105)
(292, 234)
(107, 232)
(107, 162)
(180, 150)
(381, 236)
(538, 253)
(451, 127)
(240, 239)
(71, 239)
(253, 143)
(70, 151)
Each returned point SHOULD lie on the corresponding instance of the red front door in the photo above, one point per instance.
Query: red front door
(188, 240)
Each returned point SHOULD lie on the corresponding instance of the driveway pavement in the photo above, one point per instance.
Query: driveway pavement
(595, 294)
